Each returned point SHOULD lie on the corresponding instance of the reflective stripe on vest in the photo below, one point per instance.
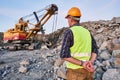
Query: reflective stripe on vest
(81, 55)
(81, 48)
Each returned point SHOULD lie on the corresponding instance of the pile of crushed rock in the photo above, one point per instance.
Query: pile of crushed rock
(45, 63)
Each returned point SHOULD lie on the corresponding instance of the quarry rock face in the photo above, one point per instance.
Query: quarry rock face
(46, 64)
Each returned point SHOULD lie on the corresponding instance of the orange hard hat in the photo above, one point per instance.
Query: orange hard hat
(74, 11)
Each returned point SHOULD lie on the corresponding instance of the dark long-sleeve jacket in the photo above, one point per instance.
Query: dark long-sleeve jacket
(68, 42)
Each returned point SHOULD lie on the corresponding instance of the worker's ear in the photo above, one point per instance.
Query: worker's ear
(72, 20)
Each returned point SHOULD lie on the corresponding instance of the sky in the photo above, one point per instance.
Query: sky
(92, 10)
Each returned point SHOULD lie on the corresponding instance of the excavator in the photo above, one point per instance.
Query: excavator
(24, 34)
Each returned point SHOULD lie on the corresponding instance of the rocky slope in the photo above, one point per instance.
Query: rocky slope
(45, 63)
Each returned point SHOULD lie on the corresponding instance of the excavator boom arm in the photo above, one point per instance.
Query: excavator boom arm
(51, 10)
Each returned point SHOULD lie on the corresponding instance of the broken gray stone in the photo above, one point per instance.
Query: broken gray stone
(111, 74)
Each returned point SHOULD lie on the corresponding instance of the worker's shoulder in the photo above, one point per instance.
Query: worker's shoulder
(67, 31)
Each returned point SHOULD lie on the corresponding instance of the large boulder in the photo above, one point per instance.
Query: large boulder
(111, 74)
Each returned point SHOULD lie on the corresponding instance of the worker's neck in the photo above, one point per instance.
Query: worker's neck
(73, 23)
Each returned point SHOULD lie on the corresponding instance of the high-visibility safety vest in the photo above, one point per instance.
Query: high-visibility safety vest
(81, 48)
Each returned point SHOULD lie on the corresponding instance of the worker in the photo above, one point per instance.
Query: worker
(79, 49)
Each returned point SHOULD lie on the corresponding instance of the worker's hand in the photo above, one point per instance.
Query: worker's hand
(88, 66)
(85, 65)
